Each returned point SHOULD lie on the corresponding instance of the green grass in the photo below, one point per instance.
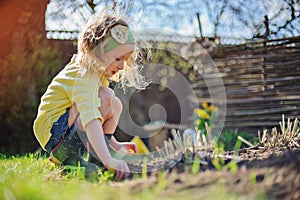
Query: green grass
(28, 177)
(34, 177)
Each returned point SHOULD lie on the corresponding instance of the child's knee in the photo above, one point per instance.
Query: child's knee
(110, 104)
(117, 105)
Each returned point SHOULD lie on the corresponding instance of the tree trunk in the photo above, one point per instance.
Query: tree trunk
(20, 20)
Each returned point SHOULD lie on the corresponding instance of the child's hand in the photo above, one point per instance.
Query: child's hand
(120, 168)
(128, 147)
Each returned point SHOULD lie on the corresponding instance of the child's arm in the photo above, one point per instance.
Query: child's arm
(95, 136)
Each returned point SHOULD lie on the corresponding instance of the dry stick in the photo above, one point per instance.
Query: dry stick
(264, 136)
(245, 141)
(290, 130)
(175, 146)
(283, 125)
(204, 139)
(170, 144)
(289, 126)
(275, 137)
(180, 139)
(258, 134)
(272, 137)
(166, 147)
(177, 139)
(228, 156)
(199, 138)
(175, 142)
(159, 152)
(208, 131)
(282, 136)
(296, 144)
(295, 127)
(175, 136)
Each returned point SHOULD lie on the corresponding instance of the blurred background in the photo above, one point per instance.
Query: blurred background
(255, 45)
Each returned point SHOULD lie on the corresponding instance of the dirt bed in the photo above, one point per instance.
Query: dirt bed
(260, 173)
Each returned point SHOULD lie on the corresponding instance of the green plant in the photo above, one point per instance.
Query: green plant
(232, 166)
(72, 172)
(196, 166)
(144, 168)
(161, 182)
(252, 178)
(204, 117)
(230, 140)
(219, 159)
(107, 175)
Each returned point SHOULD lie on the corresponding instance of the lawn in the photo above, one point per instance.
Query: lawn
(34, 177)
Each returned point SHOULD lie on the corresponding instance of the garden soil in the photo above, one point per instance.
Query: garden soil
(250, 173)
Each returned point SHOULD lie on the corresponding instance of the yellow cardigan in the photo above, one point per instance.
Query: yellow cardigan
(67, 88)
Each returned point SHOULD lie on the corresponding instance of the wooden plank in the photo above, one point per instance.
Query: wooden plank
(262, 111)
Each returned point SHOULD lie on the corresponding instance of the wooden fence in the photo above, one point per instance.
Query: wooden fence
(262, 82)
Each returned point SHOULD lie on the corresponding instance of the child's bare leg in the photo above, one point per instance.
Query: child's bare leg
(111, 108)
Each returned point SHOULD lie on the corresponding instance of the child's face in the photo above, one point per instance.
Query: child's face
(115, 59)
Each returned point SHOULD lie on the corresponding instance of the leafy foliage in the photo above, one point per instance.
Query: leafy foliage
(230, 139)
(25, 74)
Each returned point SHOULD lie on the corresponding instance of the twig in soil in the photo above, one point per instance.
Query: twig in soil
(245, 141)
(166, 147)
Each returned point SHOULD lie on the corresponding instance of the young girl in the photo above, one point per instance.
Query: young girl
(78, 100)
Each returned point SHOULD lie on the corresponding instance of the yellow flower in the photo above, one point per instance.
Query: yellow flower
(204, 104)
(198, 122)
(202, 113)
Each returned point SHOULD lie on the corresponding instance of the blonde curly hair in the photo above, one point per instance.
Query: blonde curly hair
(91, 43)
